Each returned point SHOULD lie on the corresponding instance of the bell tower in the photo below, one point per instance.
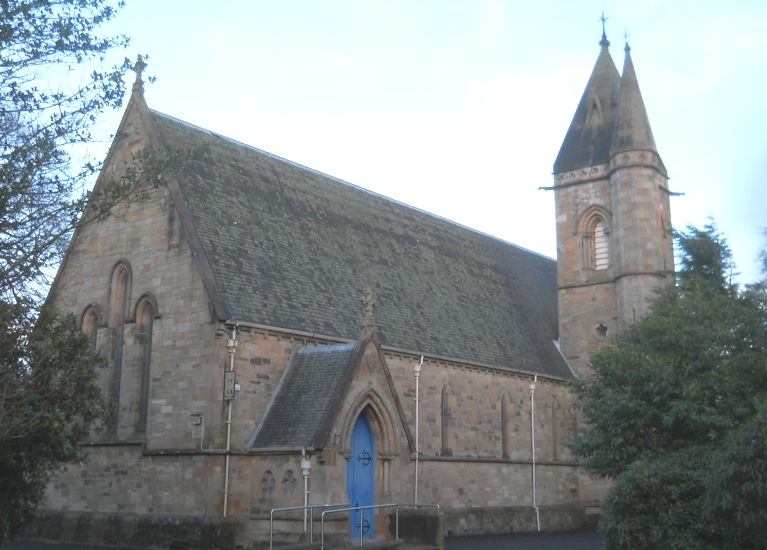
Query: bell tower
(614, 241)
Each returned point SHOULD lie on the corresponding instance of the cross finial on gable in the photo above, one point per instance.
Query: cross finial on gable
(138, 68)
(370, 302)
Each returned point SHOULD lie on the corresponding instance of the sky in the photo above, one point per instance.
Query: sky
(459, 107)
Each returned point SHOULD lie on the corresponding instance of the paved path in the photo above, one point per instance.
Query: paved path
(40, 545)
(528, 541)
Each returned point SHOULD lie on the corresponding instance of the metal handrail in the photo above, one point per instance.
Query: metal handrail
(309, 507)
(359, 508)
(417, 506)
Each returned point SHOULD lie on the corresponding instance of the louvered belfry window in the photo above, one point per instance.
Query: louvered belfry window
(601, 246)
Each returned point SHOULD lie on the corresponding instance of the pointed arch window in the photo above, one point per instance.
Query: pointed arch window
(446, 414)
(595, 229)
(119, 293)
(555, 428)
(601, 246)
(118, 300)
(145, 315)
(89, 324)
(505, 426)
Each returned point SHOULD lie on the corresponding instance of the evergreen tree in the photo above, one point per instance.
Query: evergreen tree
(677, 412)
(49, 400)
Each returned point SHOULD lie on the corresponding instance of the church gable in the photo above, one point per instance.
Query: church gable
(324, 388)
(133, 279)
(373, 394)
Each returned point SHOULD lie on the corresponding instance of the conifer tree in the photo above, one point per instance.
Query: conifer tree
(677, 412)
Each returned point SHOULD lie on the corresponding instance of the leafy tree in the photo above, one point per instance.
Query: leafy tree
(677, 412)
(48, 400)
(53, 88)
(51, 94)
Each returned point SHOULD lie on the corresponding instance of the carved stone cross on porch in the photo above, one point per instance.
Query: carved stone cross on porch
(370, 302)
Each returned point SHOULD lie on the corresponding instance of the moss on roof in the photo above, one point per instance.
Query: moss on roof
(293, 248)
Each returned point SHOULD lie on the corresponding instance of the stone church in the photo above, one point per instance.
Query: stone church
(260, 317)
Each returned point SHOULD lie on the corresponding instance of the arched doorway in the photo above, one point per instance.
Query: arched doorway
(360, 478)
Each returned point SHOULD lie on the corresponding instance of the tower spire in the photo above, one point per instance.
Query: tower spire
(587, 142)
(631, 129)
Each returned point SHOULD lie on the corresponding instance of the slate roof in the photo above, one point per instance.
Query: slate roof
(610, 117)
(305, 402)
(293, 248)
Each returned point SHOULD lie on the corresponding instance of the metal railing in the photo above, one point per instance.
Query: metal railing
(309, 507)
(417, 506)
(359, 509)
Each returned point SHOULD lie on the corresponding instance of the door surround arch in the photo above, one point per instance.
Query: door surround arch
(379, 416)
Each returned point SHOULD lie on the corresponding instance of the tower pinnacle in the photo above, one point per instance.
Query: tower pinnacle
(605, 43)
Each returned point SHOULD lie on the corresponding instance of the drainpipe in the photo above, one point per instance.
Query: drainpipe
(306, 470)
(231, 346)
(416, 372)
(532, 447)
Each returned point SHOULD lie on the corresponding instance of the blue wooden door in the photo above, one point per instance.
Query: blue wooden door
(360, 478)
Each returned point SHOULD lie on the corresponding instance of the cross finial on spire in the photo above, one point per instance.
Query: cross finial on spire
(370, 302)
(604, 42)
(627, 49)
(138, 68)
